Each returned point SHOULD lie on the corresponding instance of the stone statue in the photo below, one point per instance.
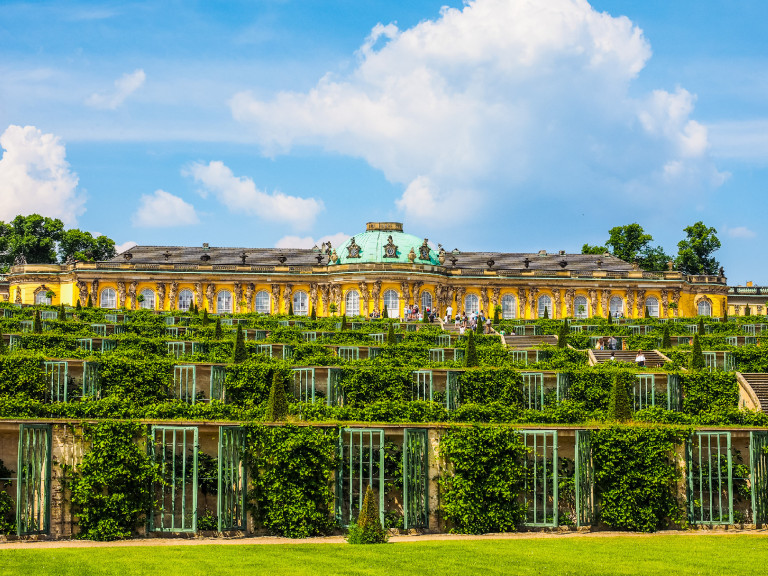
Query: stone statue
(534, 304)
(132, 293)
(17, 299)
(161, 295)
(95, 291)
(556, 301)
(640, 302)
(325, 291)
(120, 294)
(276, 298)
(664, 302)
(593, 301)
(20, 260)
(172, 292)
(249, 289)
(630, 302)
(570, 294)
(313, 296)
(363, 286)
(287, 292)
(334, 257)
(441, 254)
(460, 291)
(83, 292)
(336, 296)
(604, 301)
(495, 295)
(405, 290)
(522, 297)
(238, 295)
(412, 255)
(416, 291)
(484, 299)
(210, 293)
(199, 294)
(375, 293)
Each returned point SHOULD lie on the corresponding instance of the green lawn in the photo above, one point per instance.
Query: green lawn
(664, 555)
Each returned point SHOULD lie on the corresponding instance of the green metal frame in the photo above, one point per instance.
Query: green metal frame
(359, 468)
(177, 349)
(710, 360)
(443, 340)
(437, 354)
(584, 479)
(199, 347)
(33, 480)
(108, 345)
(99, 329)
(48, 315)
(233, 479)
(85, 344)
(563, 386)
(57, 377)
(415, 478)
(334, 393)
(304, 384)
(287, 352)
(707, 453)
(644, 391)
(185, 382)
(749, 329)
(111, 318)
(309, 336)
(533, 390)
(519, 356)
(422, 387)
(176, 497)
(170, 320)
(264, 349)
(172, 331)
(259, 334)
(452, 390)
(674, 392)
(218, 379)
(758, 463)
(14, 342)
(26, 325)
(373, 351)
(459, 354)
(378, 337)
(91, 379)
(541, 484)
(348, 352)
(729, 362)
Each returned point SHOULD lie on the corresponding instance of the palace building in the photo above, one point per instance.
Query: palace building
(383, 266)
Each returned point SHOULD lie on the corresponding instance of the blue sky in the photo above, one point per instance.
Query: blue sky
(508, 125)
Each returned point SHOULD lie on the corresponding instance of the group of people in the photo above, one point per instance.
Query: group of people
(411, 313)
(468, 321)
(639, 358)
(607, 343)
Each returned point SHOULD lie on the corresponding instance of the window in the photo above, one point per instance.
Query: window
(186, 297)
(545, 303)
(392, 302)
(300, 303)
(426, 301)
(616, 306)
(149, 299)
(42, 298)
(705, 308)
(508, 307)
(262, 302)
(352, 303)
(652, 305)
(471, 304)
(224, 302)
(580, 307)
(108, 298)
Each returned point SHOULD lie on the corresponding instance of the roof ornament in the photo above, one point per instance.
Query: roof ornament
(326, 248)
(490, 263)
(243, 256)
(441, 254)
(424, 250)
(281, 259)
(167, 255)
(563, 263)
(412, 255)
(390, 250)
(127, 255)
(21, 260)
(454, 260)
(527, 262)
(353, 250)
(205, 257)
(334, 257)
(319, 258)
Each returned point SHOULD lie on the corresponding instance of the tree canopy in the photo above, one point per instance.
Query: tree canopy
(695, 251)
(40, 240)
(632, 244)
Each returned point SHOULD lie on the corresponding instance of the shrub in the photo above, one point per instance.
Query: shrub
(89, 304)
(217, 329)
(496, 314)
(562, 335)
(239, 352)
(313, 314)
(62, 313)
(619, 407)
(205, 320)
(666, 341)
(700, 328)
(470, 355)
(78, 306)
(546, 313)
(343, 322)
(37, 324)
(391, 339)
(277, 405)
(7, 505)
(290, 308)
(697, 358)
(367, 529)
(385, 314)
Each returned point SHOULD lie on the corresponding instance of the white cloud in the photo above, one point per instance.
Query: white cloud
(239, 194)
(742, 140)
(35, 177)
(126, 85)
(336, 240)
(120, 248)
(164, 210)
(739, 232)
(497, 98)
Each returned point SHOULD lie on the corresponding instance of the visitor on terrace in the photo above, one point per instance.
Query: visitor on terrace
(640, 359)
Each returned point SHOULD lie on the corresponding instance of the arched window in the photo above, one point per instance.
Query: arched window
(580, 307)
(108, 298)
(705, 308)
(426, 301)
(185, 300)
(545, 303)
(149, 299)
(471, 304)
(652, 305)
(508, 307)
(392, 302)
(300, 303)
(42, 298)
(224, 302)
(352, 303)
(616, 307)
(262, 303)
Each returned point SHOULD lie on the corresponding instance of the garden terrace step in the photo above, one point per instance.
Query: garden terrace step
(758, 383)
(526, 342)
(652, 358)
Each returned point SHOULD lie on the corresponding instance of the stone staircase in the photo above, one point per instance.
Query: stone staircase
(528, 342)
(653, 359)
(756, 390)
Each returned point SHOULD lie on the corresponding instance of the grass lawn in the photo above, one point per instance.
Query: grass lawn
(665, 555)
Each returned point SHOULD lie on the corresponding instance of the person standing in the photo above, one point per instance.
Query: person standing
(640, 359)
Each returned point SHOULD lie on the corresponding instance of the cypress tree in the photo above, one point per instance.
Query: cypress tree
(479, 327)
(3, 346)
(647, 312)
(313, 314)
(239, 352)
(425, 317)
(89, 304)
(37, 325)
(697, 358)
(470, 354)
(747, 311)
(290, 308)
(205, 317)
(78, 306)
(725, 310)
(666, 341)
(619, 407)
(546, 313)
(217, 329)
(700, 328)
(343, 322)
(385, 314)
(496, 315)
(562, 335)
(277, 405)
(62, 313)
(391, 339)
(368, 528)
(610, 318)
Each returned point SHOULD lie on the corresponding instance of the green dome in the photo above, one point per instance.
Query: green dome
(373, 245)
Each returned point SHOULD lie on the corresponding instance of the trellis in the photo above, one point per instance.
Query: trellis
(218, 378)
(584, 479)
(99, 329)
(259, 334)
(199, 348)
(57, 379)
(233, 479)
(563, 389)
(14, 342)
(758, 461)
(48, 315)
(85, 344)
(304, 384)
(185, 383)
(91, 380)
(443, 340)
(415, 478)
(33, 480)
(710, 478)
(533, 390)
(349, 352)
(287, 351)
(172, 331)
(541, 483)
(108, 345)
(422, 385)
(174, 449)
(519, 356)
(373, 351)
(361, 457)
(378, 337)
(265, 349)
(452, 390)
(334, 392)
(176, 349)
(437, 354)
(309, 336)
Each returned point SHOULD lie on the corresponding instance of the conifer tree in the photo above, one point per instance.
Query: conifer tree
(470, 354)
(37, 324)
(546, 313)
(700, 328)
(647, 312)
(562, 335)
(277, 405)
(3, 346)
(385, 314)
(666, 341)
(290, 308)
(239, 352)
(425, 317)
(62, 313)
(391, 338)
(89, 303)
(619, 407)
(479, 327)
(204, 321)
(368, 528)
(610, 318)
(343, 322)
(217, 329)
(725, 310)
(496, 315)
(313, 314)
(747, 311)
(697, 358)
(78, 306)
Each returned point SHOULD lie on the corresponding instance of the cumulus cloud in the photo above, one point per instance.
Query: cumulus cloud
(240, 194)
(120, 248)
(164, 210)
(739, 232)
(336, 240)
(35, 177)
(126, 85)
(494, 99)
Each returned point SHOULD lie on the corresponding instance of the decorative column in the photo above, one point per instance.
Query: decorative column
(249, 290)
(172, 295)
(336, 296)
(276, 298)
(604, 302)
(676, 300)
(630, 302)
(313, 296)
(131, 292)
(532, 294)
(17, 298)
(664, 302)
(570, 294)
(121, 294)
(210, 295)
(416, 291)
(364, 297)
(95, 292)
(199, 294)
(556, 298)
(459, 291)
(486, 301)
(375, 293)
(83, 292)
(593, 301)
(325, 290)
(238, 296)
(287, 301)
(495, 295)
(522, 297)
(640, 303)
(405, 288)
(160, 295)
